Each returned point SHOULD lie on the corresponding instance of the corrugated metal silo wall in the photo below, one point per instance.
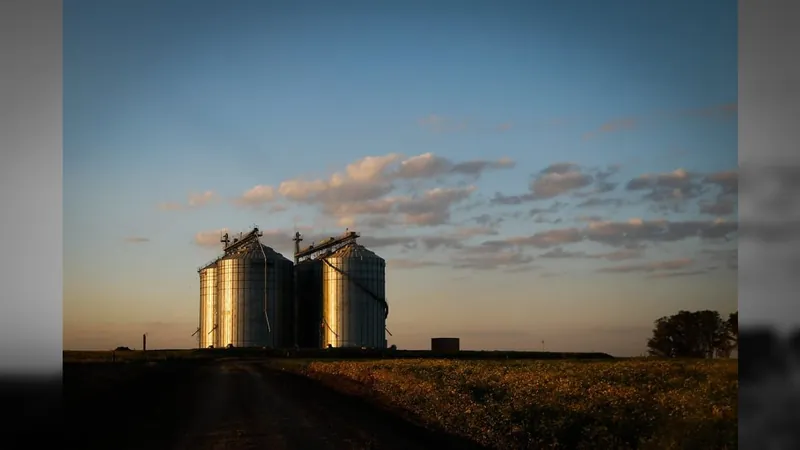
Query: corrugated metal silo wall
(208, 305)
(351, 316)
(309, 303)
(240, 299)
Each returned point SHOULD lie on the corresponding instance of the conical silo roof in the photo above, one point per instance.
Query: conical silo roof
(353, 250)
(255, 251)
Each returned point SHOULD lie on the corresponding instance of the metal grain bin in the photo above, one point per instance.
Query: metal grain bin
(354, 307)
(308, 303)
(208, 305)
(254, 298)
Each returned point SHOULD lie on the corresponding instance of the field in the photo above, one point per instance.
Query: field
(496, 400)
(554, 404)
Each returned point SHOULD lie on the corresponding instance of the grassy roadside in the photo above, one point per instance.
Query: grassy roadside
(552, 404)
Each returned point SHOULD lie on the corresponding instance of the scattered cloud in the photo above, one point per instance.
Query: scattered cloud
(256, 196)
(550, 274)
(210, 238)
(553, 208)
(194, 200)
(547, 239)
(618, 255)
(486, 220)
(438, 242)
(649, 266)
(727, 200)
(468, 232)
(361, 181)
(680, 273)
(429, 209)
(560, 253)
(728, 181)
(476, 167)
(589, 219)
(631, 234)
(478, 258)
(136, 240)
(502, 199)
(718, 208)
(560, 179)
(724, 111)
(433, 207)
(428, 165)
(202, 199)
(393, 193)
(410, 264)
(626, 123)
(364, 188)
(640, 231)
(729, 257)
(668, 191)
(436, 123)
(441, 124)
(600, 202)
(544, 219)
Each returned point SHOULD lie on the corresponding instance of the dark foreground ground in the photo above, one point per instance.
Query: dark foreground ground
(224, 404)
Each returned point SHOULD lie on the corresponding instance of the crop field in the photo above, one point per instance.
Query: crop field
(553, 404)
(499, 401)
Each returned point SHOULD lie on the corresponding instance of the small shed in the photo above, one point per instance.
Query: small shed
(445, 345)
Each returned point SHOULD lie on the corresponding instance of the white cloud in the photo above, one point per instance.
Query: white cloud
(256, 196)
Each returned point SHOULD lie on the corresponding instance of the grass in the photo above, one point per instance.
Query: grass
(618, 404)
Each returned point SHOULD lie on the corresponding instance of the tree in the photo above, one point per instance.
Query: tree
(698, 334)
(732, 334)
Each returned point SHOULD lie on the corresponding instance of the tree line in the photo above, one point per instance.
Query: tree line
(697, 334)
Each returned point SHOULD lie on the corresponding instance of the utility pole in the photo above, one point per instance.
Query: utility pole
(144, 342)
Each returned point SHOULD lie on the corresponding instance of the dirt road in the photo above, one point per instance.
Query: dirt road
(232, 405)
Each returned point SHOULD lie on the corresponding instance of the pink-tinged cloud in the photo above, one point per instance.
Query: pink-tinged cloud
(361, 192)
(256, 196)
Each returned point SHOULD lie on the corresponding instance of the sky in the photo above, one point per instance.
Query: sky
(537, 175)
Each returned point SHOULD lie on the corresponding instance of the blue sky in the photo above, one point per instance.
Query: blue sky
(174, 110)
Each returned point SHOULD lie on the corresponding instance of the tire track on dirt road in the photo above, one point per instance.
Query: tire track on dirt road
(246, 405)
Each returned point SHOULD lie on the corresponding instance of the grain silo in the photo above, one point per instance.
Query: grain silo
(254, 295)
(208, 305)
(341, 294)
(354, 307)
